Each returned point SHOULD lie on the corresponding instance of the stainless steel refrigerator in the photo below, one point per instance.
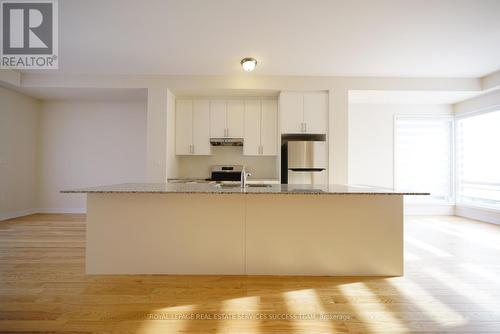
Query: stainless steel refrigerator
(307, 162)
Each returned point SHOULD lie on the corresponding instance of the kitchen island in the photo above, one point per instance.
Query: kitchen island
(164, 228)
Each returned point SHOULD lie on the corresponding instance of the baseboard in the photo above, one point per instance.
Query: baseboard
(62, 210)
(16, 214)
(482, 214)
(429, 209)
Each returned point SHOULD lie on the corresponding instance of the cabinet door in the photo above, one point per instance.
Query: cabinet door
(292, 112)
(251, 140)
(316, 112)
(218, 118)
(201, 128)
(183, 126)
(269, 127)
(235, 118)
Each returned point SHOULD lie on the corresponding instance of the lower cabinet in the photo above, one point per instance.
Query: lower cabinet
(192, 131)
(261, 127)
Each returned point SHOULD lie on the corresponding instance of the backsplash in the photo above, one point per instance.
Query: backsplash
(199, 166)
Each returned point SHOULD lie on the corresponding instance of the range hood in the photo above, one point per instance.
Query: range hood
(226, 141)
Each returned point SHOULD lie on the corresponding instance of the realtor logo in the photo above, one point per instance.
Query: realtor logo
(29, 34)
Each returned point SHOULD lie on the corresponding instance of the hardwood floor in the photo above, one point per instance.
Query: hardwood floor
(452, 284)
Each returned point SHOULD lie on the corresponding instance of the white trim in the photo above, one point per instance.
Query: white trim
(62, 210)
(21, 213)
(482, 214)
(16, 214)
(430, 209)
(480, 111)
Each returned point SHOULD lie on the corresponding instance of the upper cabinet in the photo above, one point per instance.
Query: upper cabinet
(192, 135)
(261, 127)
(227, 118)
(304, 112)
(218, 118)
(235, 118)
(254, 120)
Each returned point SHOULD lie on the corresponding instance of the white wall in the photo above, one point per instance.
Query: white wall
(19, 116)
(199, 166)
(88, 144)
(371, 139)
(156, 134)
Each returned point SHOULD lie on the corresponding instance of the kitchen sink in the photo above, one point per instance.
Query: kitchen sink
(252, 185)
(227, 185)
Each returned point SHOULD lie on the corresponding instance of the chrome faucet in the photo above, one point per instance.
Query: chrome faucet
(244, 176)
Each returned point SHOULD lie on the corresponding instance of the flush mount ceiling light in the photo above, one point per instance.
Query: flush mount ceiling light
(248, 64)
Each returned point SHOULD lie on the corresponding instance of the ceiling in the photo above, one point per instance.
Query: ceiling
(396, 38)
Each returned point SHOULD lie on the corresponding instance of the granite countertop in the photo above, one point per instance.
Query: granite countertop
(234, 188)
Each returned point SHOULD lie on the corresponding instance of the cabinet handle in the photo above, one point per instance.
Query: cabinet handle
(261, 149)
(191, 148)
(302, 127)
(305, 127)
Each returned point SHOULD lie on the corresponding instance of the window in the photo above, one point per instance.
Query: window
(423, 157)
(478, 157)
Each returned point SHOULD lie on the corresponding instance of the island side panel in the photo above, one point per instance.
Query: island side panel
(332, 235)
(147, 233)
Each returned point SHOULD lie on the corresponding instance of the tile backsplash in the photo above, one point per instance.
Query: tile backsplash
(199, 166)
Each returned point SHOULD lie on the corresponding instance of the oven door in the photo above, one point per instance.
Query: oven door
(307, 176)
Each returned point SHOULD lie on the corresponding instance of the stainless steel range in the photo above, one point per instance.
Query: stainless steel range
(226, 173)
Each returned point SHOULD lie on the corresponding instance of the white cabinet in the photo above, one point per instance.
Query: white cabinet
(316, 112)
(251, 141)
(201, 131)
(304, 112)
(183, 127)
(192, 134)
(218, 118)
(269, 127)
(261, 123)
(227, 118)
(292, 112)
(235, 118)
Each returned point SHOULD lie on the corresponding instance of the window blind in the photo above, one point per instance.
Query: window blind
(423, 157)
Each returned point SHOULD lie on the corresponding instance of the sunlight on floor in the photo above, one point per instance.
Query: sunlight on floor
(484, 273)
(386, 319)
(432, 307)
(426, 247)
(159, 320)
(410, 257)
(482, 238)
(461, 288)
(240, 307)
(305, 301)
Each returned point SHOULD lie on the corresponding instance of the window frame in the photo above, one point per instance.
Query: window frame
(453, 180)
